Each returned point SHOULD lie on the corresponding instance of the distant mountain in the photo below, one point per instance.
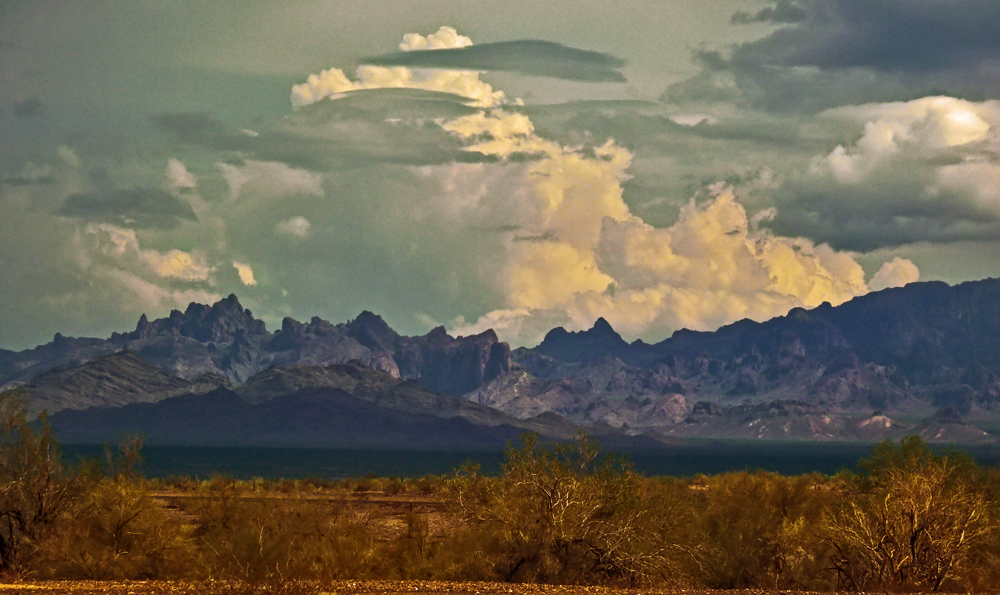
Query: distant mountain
(112, 380)
(342, 405)
(906, 352)
(924, 358)
(225, 339)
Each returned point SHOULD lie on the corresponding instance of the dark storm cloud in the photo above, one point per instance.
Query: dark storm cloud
(880, 216)
(137, 207)
(887, 35)
(29, 108)
(785, 11)
(530, 57)
(837, 52)
(202, 130)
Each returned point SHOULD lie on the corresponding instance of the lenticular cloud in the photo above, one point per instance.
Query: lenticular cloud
(569, 248)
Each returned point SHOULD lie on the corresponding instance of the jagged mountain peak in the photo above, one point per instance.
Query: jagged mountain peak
(583, 346)
(372, 331)
(603, 327)
(221, 322)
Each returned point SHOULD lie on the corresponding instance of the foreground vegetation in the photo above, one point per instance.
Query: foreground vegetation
(910, 519)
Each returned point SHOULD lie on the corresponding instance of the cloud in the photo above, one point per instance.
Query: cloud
(139, 207)
(921, 170)
(836, 52)
(199, 128)
(245, 272)
(376, 125)
(784, 11)
(270, 178)
(31, 107)
(296, 227)
(530, 57)
(178, 176)
(895, 273)
(426, 194)
(333, 83)
(179, 265)
(591, 254)
(444, 38)
(121, 246)
(887, 35)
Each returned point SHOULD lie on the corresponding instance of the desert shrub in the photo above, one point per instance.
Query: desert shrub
(35, 487)
(116, 531)
(266, 537)
(558, 514)
(914, 520)
(763, 530)
(430, 484)
(394, 486)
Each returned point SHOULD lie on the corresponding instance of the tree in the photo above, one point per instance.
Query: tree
(912, 521)
(558, 514)
(34, 485)
(760, 531)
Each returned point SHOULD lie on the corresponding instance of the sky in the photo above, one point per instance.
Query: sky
(477, 164)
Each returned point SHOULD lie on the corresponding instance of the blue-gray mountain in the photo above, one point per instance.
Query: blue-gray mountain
(924, 359)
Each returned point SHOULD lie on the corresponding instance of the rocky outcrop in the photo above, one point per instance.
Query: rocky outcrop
(113, 380)
(225, 339)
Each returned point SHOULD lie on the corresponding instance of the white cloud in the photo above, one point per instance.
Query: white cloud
(178, 264)
(895, 273)
(693, 119)
(297, 227)
(917, 129)
(270, 179)
(445, 38)
(570, 249)
(178, 176)
(333, 83)
(120, 248)
(245, 272)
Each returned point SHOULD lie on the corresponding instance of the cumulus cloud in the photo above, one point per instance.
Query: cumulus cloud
(921, 170)
(895, 273)
(296, 227)
(590, 255)
(270, 178)
(444, 38)
(245, 272)
(122, 247)
(333, 83)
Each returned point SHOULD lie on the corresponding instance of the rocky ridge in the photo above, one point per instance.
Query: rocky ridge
(923, 359)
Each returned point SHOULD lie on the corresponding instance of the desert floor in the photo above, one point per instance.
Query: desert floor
(338, 587)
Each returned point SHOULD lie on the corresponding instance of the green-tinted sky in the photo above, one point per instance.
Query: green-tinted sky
(514, 165)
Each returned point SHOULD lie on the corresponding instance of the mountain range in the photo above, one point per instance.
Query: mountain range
(920, 359)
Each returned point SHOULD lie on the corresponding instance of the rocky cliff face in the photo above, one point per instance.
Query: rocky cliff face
(225, 339)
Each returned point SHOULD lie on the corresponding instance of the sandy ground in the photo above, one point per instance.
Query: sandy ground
(339, 587)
